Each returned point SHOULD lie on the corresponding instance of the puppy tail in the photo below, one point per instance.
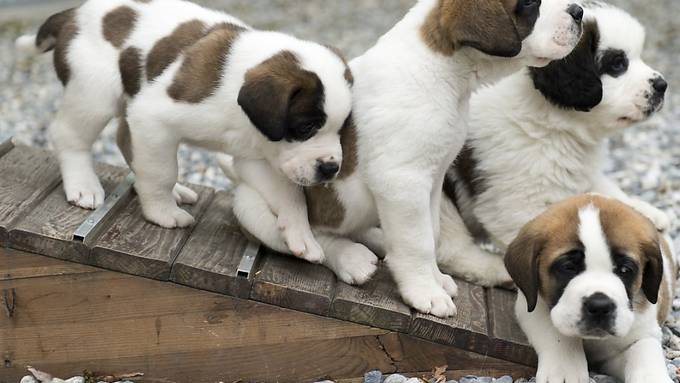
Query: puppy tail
(48, 34)
(226, 162)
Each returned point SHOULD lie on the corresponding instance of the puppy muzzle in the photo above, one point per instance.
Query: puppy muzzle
(598, 316)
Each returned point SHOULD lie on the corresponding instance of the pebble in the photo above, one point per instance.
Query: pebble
(504, 379)
(396, 378)
(373, 377)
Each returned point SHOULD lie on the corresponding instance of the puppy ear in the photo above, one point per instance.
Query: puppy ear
(573, 82)
(485, 25)
(521, 260)
(652, 274)
(276, 92)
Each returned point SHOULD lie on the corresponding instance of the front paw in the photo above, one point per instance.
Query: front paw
(657, 216)
(427, 295)
(169, 217)
(86, 193)
(563, 369)
(356, 265)
(301, 242)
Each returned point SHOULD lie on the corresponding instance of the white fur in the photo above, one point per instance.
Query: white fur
(533, 154)
(411, 109)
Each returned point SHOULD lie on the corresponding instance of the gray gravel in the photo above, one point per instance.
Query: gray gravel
(645, 160)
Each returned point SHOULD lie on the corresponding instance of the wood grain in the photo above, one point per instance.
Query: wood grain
(293, 283)
(6, 146)
(467, 330)
(132, 245)
(16, 264)
(27, 175)
(211, 256)
(376, 303)
(48, 229)
(507, 338)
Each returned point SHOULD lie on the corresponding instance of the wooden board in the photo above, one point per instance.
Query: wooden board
(293, 283)
(6, 146)
(467, 330)
(27, 175)
(376, 303)
(48, 229)
(507, 338)
(132, 245)
(16, 265)
(210, 258)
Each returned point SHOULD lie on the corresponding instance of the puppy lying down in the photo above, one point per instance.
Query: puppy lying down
(596, 281)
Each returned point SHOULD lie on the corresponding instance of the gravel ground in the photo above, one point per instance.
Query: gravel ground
(645, 160)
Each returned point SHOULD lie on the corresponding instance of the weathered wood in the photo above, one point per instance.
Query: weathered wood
(507, 338)
(27, 175)
(48, 228)
(293, 283)
(376, 303)
(467, 330)
(6, 146)
(132, 245)
(209, 260)
(15, 264)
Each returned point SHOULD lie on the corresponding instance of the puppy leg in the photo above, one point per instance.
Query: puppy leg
(255, 215)
(444, 280)
(353, 263)
(78, 123)
(560, 359)
(460, 256)
(288, 203)
(641, 363)
(406, 219)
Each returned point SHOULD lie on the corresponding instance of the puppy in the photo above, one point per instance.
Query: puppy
(596, 282)
(408, 123)
(539, 136)
(175, 72)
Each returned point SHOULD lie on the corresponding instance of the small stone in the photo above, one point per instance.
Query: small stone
(396, 378)
(374, 376)
(485, 379)
(469, 379)
(676, 362)
(414, 380)
(672, 371)
(452, 381)
(504, 379)
(28, 379)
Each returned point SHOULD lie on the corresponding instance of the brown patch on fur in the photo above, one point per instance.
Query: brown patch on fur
(667, 287)
(469, 173)
(200, 73)
(57, 33)
(118, 25)
(123, 137)
(324, 206)
(348, 73)
(348, 141)
(130, 65)
(487, 25)
(168, 49)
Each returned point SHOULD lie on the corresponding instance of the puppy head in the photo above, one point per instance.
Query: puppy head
(605, 74)
(299, 102)
(594, 261)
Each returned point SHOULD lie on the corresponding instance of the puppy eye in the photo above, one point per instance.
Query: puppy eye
(624, 270)
(305, 130)
(570, 264)
(614, 63)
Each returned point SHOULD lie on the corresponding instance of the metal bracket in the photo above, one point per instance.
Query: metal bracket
(88, 229)
(248, 261)
(6, 146)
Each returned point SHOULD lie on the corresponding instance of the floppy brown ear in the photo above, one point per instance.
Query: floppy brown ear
(521, 260)
(485, 25)
(652, 274)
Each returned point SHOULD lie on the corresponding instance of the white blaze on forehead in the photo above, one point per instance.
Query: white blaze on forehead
(593, 239)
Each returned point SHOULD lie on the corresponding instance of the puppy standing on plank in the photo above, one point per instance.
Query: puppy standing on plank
(596, 282)
(176, 72)
(411, 95)
(539, 137)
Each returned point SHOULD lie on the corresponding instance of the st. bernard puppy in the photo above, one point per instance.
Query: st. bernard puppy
(411, 95)
(596, 280)
(174, 72)
(540, 135)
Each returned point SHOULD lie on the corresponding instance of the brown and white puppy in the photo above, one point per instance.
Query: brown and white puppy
(189, 74)
(596, 281)
(409, 121)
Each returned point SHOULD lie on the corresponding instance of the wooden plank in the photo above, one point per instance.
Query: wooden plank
(132, 245)
(16, 264)
(27, 175)
(507, 338)
(376, 303)
(48, 229)
(467, 330)
(211, 256)
(293, 283)
(6, 146)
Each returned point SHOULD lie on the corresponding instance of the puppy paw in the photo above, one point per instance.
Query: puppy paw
(184, 195)
(301, 242)
(657, 216)
(563, 369)
(446, 282)
(427, 296)
(169, 218)
(85, 193)
(356, 265)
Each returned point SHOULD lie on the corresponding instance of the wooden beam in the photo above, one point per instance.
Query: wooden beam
(507, 338)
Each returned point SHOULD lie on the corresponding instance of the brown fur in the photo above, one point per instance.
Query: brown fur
(348, 140)
(118, 25)
(487, 25)
(667, 287)
(49, 32)
(130, 65)
(324, 206)
(200, 73)
(58, 32)
(123, 137)
(167, 50)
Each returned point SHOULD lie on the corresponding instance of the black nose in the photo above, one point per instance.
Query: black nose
(660, 85)
(599, 305)
(328, 170)
(576, 12)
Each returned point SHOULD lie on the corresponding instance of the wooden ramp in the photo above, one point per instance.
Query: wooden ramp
(217, 261)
